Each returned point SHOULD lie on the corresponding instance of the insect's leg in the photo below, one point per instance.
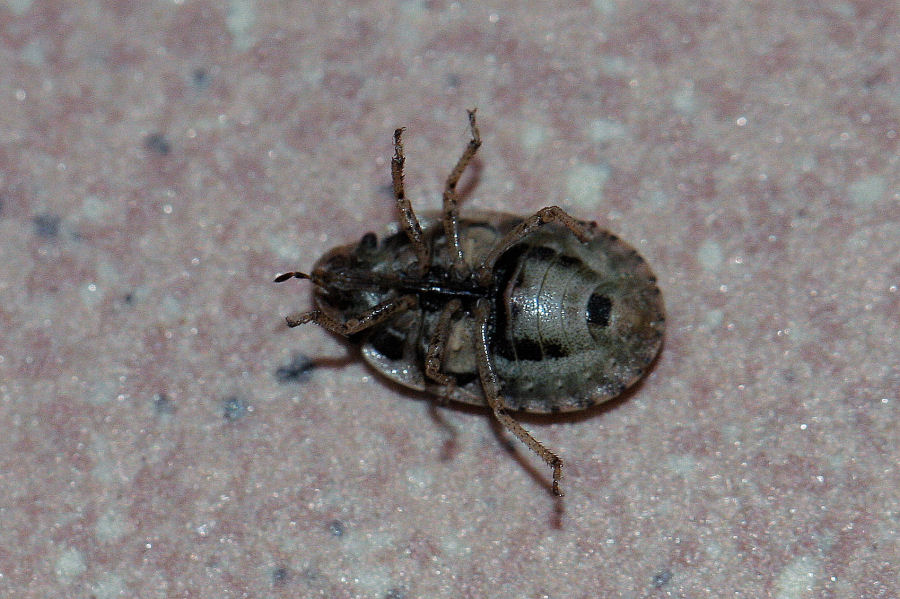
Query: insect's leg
(530, 225)
(434, 358)
(408, 220)
(367, 319)
(451, 209)
(492, 393)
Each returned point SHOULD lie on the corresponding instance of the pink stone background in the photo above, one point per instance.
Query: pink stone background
(161, 161)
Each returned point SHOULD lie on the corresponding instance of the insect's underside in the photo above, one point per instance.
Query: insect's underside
(480, 275)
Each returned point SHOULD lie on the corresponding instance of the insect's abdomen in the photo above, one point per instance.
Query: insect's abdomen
(573, 325)
(540, 331)
(542, 307)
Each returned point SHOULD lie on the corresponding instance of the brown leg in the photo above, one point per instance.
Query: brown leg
(495, 401)
(451, 210)
(525, 228)
(408, 220)
(368, 319)
(434, 358)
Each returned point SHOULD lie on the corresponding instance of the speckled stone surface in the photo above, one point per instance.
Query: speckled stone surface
(164, 434)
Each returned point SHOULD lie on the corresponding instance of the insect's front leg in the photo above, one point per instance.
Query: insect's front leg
(408, 220)
(367, 319)
(451, 209)
(492, 394)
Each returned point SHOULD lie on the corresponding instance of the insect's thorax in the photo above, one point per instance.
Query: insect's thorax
(354, 278)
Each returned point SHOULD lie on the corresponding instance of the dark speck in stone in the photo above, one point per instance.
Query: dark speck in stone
(280, 576)
(201, 78)
(46, 225)
(336, 528)
(234, 408)
(162, 405)
(662, 578)
(158, 143)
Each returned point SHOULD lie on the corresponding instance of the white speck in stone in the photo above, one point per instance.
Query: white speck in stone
(33, 53)
(585, 183)
(70, 565)
(806, 162)
(111, 526)
(658, 199)
(710, 255)
(95, 209)
(171, 307)
(18, 7)
(604, 7)
(845, 9)
(373, 582)
(419, 478)
(615, 65)
(713, 549)
(240, 18)
(867, 191)
(90, 294)
(109, 586)
(796, 579)
(683, 465)
(451, 545)
(713, 318)
(603, 130)
(683, 100)
(533, 136)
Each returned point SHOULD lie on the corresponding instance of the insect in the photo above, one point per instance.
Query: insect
(539, 314)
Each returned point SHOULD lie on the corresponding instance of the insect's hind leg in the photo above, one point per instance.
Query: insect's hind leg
(492, 393)
(408, 221)
(531, 224)
(451, 208)
(367, 319)
(434, 357)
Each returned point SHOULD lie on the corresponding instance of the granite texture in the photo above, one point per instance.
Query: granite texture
(165, 435)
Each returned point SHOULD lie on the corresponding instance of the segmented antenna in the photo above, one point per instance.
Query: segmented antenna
(291, 275)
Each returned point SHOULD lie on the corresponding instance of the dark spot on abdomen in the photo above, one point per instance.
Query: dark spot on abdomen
(598, 310)
(526, 349)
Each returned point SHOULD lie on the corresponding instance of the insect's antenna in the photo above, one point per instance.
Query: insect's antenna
(291, 275)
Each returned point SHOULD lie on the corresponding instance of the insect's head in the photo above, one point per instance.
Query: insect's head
(340, 266)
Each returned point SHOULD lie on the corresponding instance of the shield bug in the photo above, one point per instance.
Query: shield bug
(539, 314)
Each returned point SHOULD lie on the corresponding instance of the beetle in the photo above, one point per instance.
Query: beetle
(541, 314)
